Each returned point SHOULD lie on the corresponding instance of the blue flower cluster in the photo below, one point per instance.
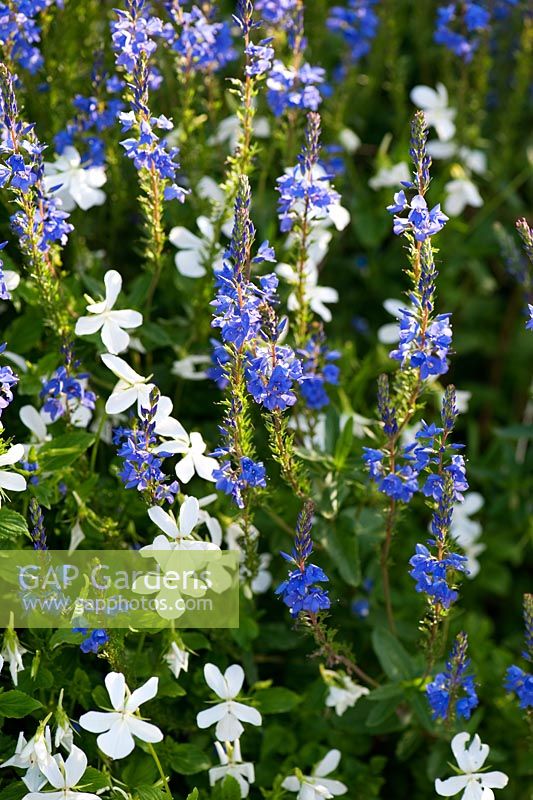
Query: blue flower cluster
(304, 188)
(234, 480)
(423, 347)
(202, 44)
(65, 391)
(20, 31)
(275, 11)
(141, 469)
(429, 450)
(459, 25)
(271, 374)
(453, 692)
(133, 42)
(432, 575)
(40, 220)
(294, 87)
(518, 680)
(318, 370)
(4, 291)
(420, 221)
(94, 641)
(94, 114)
(8, 379)
(357, 24)
(300, 591)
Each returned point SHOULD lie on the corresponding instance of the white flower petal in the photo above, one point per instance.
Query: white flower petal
(450, 786)
(328, 764)
(12, 481)
(113, 285)
(144, 731)
(117, 742)
(116, 686)
(87, 325)
(188, 518)
(141, 695)
(208, 717)
(120, 401)
(164, 521)
(114, 338)
(185, 467)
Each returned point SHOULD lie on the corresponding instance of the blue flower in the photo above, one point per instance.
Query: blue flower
(432, 575)
(96, 639)
(357, 24)
(202, 44)
(453, 692)
(521, 683)
(292, 87)
(459, 25)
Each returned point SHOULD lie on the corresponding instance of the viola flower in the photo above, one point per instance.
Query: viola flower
(73, 184)
(317, 786)
(131, 387)
(32, 755)
(179, 532)
(231, 763)
(466, 531)
(434, 104)
(64, 776)
(118, 727)
(474, 782)
(192, 447)
(461, 192)
(194, 252)
(105, 319)
(390, 176)
(343, 692)
(229, 714)
(36, 422)
(177, 659)
(11, 481)
(12, 651)
(190, 368)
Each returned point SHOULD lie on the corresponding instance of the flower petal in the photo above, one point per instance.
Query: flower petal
(208, 717)
(328, 764)
(12, 481)
(216, 681)
(98, 721)
(116, 686)
(144, 731)
(141, 695)
(87, 325)
(164, 521)
(246, 713)
(451, 786)
(114, 338)
(121, 400)
(113, 285)
(185, 468)
(117, 742)
(189, 513)
(75, 766)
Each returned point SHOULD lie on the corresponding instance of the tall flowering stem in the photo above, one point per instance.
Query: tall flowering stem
(307, 601)
(452, 693)
(258, 62)
(305, 196)
(39, 223)
(425, 339)
(134, 42)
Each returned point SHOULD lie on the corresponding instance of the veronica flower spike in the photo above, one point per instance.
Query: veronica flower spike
(229, 714)
(475, 783)
(131, 387)
(110, 322)
(118, 727)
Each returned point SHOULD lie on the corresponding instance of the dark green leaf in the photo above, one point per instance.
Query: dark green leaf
(64, 450)
(392, 656)
(16, 705)
(277, 700)
(12, 524)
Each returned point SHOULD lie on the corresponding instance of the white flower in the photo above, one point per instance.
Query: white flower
(344, 696)
(194, 251)
(11, 281)
(473, 160)
(131, 387)
(434, 103)
(313, 435)
(76, 186)
(460, 193)
(229, 714)
(229, 130)
(11, 481)
(32, 756)
(316, 786)
(187, 368)
(13, 651)
(36, 422)
(476, 785)
(117, 728)
(231, 763)
(193, 448)
(104, 318)
(316, 296)
(349, 140)
(177, 659)
(212, 524)
(165, 424)
(77, 536)
(467, 531)
(179, 532)
(64, 776)
(390, 333)
(390, 176)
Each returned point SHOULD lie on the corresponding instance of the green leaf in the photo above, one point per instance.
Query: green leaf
(64, 450)
(386, 692)
(277, 700)
(93, 780)
(343, 547)
(101, 697)
(392, 656)
(15, 704)
(141, 771)
(381, 712)
(187, 759)
(193, 795)
(14, 791)
(228, 789)
(144, 792)
(344, 444)
(12, 525)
